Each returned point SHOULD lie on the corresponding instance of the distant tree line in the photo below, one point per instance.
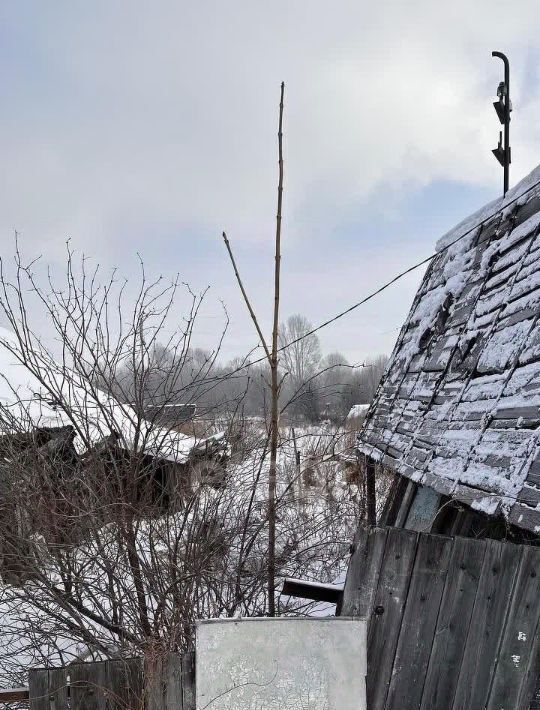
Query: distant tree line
(314, 386)
(114, 540)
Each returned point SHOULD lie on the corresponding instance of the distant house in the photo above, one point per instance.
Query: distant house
(54, 419)
(457, 413)
(173, 414)
(56, 398)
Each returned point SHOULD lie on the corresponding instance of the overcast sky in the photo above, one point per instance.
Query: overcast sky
(150, 127)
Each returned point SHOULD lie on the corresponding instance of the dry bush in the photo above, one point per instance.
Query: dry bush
(114, 540)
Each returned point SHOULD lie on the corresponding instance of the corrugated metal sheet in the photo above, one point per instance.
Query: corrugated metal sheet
(281, 664)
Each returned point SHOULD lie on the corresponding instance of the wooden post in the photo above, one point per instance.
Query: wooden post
(298, 482)
(394, 500)
(273, 361)
(371, 503)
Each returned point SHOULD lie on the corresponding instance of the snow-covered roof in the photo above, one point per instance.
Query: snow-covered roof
(358, 410)
(458, 408)
(58, 397)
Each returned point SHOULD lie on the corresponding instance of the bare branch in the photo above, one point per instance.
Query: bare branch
(246, 299)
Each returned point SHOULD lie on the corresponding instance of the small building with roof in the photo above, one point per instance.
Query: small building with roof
(457, 413)
(452, 602)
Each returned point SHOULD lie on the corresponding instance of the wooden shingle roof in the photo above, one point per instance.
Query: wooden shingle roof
(458, 408)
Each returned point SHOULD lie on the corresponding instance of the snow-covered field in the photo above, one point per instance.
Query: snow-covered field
(205, 559)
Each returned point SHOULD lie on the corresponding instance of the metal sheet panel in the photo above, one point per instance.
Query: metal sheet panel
(281, 664)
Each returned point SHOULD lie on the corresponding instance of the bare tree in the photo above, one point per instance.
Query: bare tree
(273, 360)
(275, 384)
(117, 533)
(364, 382)
(336, 376)
(302, 358)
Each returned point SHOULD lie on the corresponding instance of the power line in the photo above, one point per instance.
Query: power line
(385, 286)
(392, 281)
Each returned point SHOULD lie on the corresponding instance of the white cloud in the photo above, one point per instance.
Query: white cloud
(162, 116)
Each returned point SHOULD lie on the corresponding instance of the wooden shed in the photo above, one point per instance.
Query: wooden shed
(457, 414)
(449, 581)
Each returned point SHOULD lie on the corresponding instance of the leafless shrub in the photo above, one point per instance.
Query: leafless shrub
(116, 532)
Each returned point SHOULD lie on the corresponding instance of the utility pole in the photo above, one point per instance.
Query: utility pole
(503, 107)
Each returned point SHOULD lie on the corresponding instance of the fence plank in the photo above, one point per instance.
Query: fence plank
(517, 648)
(531, 684)
(453, 623)
(388, 605)
(38, 686)
(154, 684)
(492, 600)
(419, 622)
(172, 671)
(58, 688)
(125, 682)
(188, 681)
(535, 705)
(363, 573)
(88, 682)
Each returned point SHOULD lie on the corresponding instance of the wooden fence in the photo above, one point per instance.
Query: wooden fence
(120, 685)
(453, 622)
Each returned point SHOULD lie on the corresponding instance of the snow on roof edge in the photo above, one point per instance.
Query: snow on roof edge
(97, 411)
(489, 209)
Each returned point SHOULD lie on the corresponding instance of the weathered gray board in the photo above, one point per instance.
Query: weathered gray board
(453, 623)
(168, 684)
(281, 664)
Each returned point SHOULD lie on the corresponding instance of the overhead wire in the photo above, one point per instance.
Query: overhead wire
(392, 281)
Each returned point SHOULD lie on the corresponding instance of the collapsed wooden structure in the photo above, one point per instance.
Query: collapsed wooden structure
(72, 450)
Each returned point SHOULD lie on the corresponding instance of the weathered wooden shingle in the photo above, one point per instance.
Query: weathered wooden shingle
(459, 405)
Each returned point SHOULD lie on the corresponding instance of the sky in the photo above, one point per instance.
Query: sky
(134, 128)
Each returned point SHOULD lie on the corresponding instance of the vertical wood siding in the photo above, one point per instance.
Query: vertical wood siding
(166, 684)
(454, 623)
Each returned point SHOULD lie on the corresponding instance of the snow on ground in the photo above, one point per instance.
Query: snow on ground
(317, 515)
(358, 410)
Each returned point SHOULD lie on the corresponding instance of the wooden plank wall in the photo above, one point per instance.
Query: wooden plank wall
(166, 684)
(454, 623)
